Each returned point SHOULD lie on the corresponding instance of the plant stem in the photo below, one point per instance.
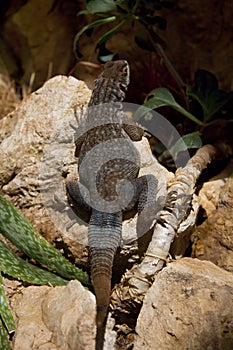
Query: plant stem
(169, 65)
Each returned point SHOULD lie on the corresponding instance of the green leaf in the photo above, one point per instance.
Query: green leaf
(205, 81)
(161, 97)
(207, 94)
(4, 342)
(5, 311)
(83, 12)
(15, 227)
(192, 140)
(94, 24)
(97, 6)
(106, 58)
(12, 265)
(105, 55)
(211, 103)
(110, 33)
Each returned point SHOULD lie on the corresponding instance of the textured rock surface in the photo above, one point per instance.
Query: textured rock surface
(60, 318)
(189, 306)
(38, 153)
(209, 195)
(213, 240)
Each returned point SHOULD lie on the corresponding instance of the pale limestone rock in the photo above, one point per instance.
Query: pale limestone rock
(213, 240)
(189, 306)
(60, 318)
(38, 154)
(210, 191)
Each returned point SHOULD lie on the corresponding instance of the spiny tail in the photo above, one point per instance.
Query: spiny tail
(104, 237)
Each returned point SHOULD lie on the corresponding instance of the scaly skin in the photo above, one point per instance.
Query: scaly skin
(107, 157)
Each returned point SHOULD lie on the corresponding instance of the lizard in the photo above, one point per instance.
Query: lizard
(108, 186)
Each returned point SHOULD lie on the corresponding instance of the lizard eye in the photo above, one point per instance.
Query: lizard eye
(125, 70)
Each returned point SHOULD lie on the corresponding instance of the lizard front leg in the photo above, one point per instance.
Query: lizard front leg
(134, 131)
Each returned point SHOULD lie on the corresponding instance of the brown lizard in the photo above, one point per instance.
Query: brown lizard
(108, 166)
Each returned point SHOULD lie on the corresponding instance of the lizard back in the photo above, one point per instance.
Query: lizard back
(107, 157)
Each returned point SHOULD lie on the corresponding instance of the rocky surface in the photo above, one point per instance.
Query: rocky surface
(213, 240)
(60, 318)
(210, 193)
(37, 153)
(189, 306)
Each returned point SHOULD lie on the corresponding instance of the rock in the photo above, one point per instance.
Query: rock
(189, 306)
(60, 318)
(209, 241)
(38, 154)
(204, 51)
(213, 240)
(210, 191)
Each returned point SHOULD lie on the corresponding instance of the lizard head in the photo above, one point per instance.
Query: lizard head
(112, 83)
(118, 72)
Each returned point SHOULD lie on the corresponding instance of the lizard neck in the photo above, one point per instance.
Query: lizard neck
(112, 83)
(106, 91)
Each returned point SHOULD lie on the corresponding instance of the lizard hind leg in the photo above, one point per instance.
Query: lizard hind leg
(148, 204)
(77, 195)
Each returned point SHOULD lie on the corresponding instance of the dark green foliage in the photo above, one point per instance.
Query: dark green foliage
(4, 342)
(122, 12)
(14, 266)
(215, 103)
(162, 97)
(7, 324)
(188, 141)
(206, 103)
(15, 227)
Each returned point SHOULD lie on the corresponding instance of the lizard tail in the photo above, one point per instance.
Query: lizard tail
(104, 237)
